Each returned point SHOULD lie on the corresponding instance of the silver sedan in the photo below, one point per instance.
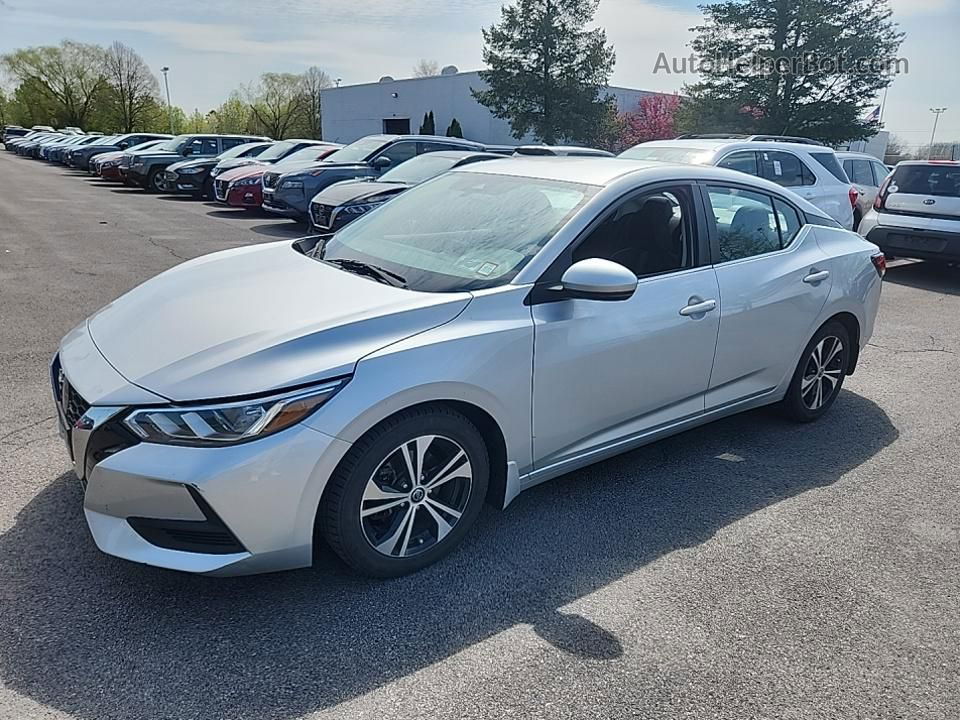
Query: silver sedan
(490, 329)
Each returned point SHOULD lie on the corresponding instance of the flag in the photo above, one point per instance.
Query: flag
(873, 115)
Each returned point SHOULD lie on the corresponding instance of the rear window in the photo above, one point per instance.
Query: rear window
(939, 180)
(830, 162)
(668, 153)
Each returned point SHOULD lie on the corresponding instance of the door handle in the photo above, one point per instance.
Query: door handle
(698, 308)
(816, 276)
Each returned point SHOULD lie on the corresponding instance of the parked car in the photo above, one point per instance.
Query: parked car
(35, 148)
(41, 149)
(12, 131)
(242, 187)
(59, 154)
(807, 168)
(279, 151)
(107, 165)
(80, 157)
(193, 175)
(146, 167)
(561, 151)
(867, 174)
(344, 202)
(288, 194)
(492, 328)
(21, 145)
(917, 212)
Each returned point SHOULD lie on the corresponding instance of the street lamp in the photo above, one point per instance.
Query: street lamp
(166, 84)
(937, 112)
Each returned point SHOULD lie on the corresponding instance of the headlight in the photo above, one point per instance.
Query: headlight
(246, 181)
(190, 171)
(214, 172)
(229, 422)
(137, 162)
(292, 184)
(360, 208)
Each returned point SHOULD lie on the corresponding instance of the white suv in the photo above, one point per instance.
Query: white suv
(807, 168)
(917, 212)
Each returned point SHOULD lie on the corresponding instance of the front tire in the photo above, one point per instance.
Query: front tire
(407, 493)
(819, 375)
(154, 181)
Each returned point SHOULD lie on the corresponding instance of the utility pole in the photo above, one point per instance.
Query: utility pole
(166, 84)
(937, 112)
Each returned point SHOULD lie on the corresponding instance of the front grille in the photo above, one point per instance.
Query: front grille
(70, 402)
(220, 189)
(270, 179)
(321, 214)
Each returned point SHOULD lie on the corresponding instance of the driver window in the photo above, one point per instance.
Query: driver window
(649, 234)
(399, 152)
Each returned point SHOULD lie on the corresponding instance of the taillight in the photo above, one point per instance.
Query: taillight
(880, 263)
(881, 200)
(854, 195)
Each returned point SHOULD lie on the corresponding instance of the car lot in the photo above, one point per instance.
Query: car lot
(751, 568)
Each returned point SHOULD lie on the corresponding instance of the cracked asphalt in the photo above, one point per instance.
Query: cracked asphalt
(748, 569)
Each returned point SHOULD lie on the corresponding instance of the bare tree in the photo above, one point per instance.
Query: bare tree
(278, 103)
(314, 81)
(70, 75)
(426, 68)
(133, 87)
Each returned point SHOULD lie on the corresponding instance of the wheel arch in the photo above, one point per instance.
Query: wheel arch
(852, 324)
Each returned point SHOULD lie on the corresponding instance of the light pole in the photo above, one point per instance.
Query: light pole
(937, 112)
(166, 84)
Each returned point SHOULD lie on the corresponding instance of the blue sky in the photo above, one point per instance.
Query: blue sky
(213, 46)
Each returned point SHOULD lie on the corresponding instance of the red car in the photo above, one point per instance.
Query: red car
(242, 187)
(107, 165)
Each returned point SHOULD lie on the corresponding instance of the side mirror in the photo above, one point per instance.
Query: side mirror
(187, 151)
(598, 279)
(124, 145)
(382, 163)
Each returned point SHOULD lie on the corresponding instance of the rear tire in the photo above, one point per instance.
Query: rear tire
(154, 181)
(819, 375)
(428, 469)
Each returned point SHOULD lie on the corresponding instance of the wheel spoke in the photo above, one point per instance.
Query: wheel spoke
(406, 536)
(837, 347)
(375, 492)
(818, 354)
(388, 545)
(443, 527)
(445, 508)
(819, 401)
(408, 460)
(833, 380)
(380, 508)
(463, 471)
(806, 383)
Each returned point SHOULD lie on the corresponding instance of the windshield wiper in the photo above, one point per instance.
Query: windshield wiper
(377, 273)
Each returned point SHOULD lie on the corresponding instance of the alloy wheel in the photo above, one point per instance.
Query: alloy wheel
(822, 373)
(416, 496)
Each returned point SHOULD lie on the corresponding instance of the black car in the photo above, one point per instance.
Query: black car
(192, 177)
(146, 167)
(79, 157)
(343, 202)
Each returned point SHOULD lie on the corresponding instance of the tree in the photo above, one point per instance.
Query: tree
(454, 130)
(653, 119)
(797, 67)
(315, 81)
(546, 72)
(232, 116)
(69, 77)
(197, 122)
(278, 103)
(133, 88)
(426, 68)
(4, 109)
(429, 125)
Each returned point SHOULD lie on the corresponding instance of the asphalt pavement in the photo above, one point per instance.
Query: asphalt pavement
(751, 568)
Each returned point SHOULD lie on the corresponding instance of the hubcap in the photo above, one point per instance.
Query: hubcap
(822, 373)
(416, 496)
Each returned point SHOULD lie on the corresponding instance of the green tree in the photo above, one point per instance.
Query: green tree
(232, 116)
(70, 77)
(454, 130)
(278, 103)
(133, 88)
(802, 67)
(428, 126)
(547, 72)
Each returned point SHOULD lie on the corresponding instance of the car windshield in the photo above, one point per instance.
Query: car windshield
(173, 144)
(356, 151)
(277, 150)
(418, 169)
(668, 153)
(459, 231)
(939, 180)
(247, 149)
(304, 154)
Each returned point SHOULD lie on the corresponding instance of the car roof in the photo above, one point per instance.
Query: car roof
(459, 154)
(930, 163)
(855, 155)
(717, 144)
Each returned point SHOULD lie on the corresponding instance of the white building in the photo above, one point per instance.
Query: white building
(398, 106)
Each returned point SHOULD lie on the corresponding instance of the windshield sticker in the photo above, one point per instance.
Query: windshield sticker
(487, 269)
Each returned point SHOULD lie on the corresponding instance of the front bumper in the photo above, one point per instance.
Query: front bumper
(184, 184)
(245, 196)
(230, 510)
(288, 203)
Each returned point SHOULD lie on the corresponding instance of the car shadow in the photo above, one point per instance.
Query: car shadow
(177, 198)
(281, 229)
(101, 638)
(128, 191)
(935, 277)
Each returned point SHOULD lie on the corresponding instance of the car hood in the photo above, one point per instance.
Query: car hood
(355, 191)
(245, 171)
(254, 320)
(233, 163)
(312, 165)
(200, 163)
(98, 148)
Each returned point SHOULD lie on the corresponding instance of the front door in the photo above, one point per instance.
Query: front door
(606, 371)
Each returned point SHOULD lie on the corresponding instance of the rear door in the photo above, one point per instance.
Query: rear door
(773, 285)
